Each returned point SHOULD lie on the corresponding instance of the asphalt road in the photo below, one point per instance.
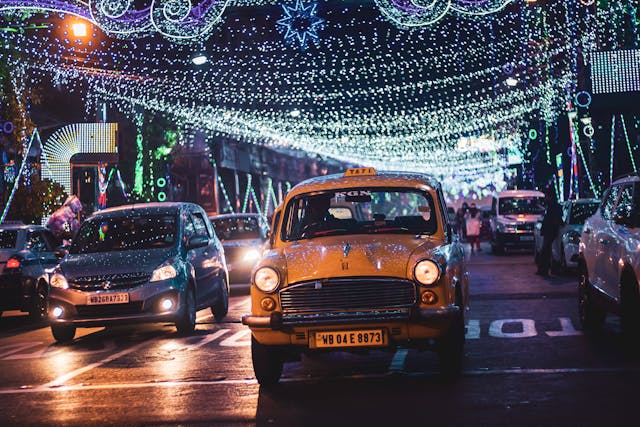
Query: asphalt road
(527, 363)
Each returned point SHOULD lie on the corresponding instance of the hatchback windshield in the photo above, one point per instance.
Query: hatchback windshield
(127, 232)
(521, 205)
(233, 228)
(360, 211)
(581, 211)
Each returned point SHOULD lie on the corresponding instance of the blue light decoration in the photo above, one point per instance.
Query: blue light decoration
(301, 24)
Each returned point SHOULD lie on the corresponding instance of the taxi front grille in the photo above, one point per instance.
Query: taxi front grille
(109, 281)
(341, 294)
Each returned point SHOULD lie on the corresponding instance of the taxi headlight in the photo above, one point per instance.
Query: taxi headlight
(266, 279)
(426, 272)
(251, 255)
(59, 281)
(163, 272)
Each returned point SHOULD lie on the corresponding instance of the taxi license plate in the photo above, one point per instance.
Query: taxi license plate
(120, 298)
(357, 338)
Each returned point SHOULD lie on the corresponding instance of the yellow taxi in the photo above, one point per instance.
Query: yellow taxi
(360, 260)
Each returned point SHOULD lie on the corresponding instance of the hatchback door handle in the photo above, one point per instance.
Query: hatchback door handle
(604, 241)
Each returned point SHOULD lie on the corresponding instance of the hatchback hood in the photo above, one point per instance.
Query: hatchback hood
(96, 264)
(360, 255)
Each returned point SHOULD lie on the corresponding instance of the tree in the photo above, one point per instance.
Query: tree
(30, 205)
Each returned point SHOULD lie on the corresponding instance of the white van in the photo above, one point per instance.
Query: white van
(513, 217)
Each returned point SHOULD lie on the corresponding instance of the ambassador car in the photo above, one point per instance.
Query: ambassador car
(154, 262)
(361, 261)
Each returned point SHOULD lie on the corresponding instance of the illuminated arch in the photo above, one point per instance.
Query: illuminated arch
(74, 139)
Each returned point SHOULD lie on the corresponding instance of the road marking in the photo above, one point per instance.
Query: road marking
(528, 328)
(15, 348)
(567, 329)
(473, 330)
(236, 340)
(209, 338)
(159, 384)
(245, 302)
(397, 363)
(66, 377)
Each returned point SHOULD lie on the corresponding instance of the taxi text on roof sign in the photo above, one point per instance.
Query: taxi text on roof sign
(360, 172)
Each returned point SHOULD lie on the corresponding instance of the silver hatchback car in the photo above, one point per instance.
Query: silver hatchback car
(154, 262)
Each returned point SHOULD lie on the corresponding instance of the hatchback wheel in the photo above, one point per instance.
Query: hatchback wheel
(38, 310)
(187, 322)
(63, 333)
(267, 362)
(591, 317)
(221, 307)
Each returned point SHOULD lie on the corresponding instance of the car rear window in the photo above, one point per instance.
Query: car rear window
(127, 232)
(236, 228)
(8, 239)
(581, 211)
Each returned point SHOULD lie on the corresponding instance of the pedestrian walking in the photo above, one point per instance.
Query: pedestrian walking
(473, 223)
(551, 223)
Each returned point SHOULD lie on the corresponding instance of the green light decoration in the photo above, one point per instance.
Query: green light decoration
(16, 182)
(246, 194)
(139, 168)
(626, 137)
(226, 196)
(594, 189)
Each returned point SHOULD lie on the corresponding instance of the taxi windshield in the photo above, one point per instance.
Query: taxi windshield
(360, 211)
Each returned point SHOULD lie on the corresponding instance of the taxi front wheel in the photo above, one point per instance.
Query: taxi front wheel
(267, 362)
(450, 349)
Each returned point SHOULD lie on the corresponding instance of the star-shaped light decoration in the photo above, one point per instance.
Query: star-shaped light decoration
(300, 23)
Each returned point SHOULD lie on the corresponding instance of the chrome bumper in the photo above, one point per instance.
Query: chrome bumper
(278, 321)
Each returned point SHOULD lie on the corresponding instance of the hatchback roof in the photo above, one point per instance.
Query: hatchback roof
(235, 215)
(157, 207)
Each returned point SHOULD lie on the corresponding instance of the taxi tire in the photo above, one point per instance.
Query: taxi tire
(63, 333)
(221, 307)
(591, 316)
(187, 321)
(267, 362)
(450, 348)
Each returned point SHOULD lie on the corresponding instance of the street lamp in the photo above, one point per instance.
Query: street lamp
(199, 58)
(511, 81)
(79, 29)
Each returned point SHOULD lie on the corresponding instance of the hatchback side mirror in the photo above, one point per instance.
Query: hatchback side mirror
(196, 242)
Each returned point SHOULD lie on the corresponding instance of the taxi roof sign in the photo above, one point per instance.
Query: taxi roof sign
(360, 172)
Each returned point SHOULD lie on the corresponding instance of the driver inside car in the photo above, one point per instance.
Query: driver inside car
(317, 216)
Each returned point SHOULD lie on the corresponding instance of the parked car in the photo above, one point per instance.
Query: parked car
(609, 260)
(243, 238)
(392, 275)
(513, 217)
(565, 250)
(155, 262)
(26, 251)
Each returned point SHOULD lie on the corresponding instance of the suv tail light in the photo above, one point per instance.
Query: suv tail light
(13, 263)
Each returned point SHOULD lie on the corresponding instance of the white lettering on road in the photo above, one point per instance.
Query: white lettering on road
(237, 339)
(473, 330)
(567, 329)
(209, 339)
(496, 329)
(397, 363)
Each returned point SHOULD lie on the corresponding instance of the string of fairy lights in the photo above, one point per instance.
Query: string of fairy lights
(391, 84)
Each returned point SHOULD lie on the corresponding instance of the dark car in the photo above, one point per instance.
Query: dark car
(25, 252)
(243, 237)
(155, 262)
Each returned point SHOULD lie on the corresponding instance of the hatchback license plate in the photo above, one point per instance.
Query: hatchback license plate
(526, 238)
(120, 298)
(357, 338)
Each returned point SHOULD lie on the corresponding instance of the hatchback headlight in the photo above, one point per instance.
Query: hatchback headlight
(266, 279)
(164, 272)
(59, 281)
(426, 272)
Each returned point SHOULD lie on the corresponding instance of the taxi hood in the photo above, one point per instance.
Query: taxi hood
(355, 255)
